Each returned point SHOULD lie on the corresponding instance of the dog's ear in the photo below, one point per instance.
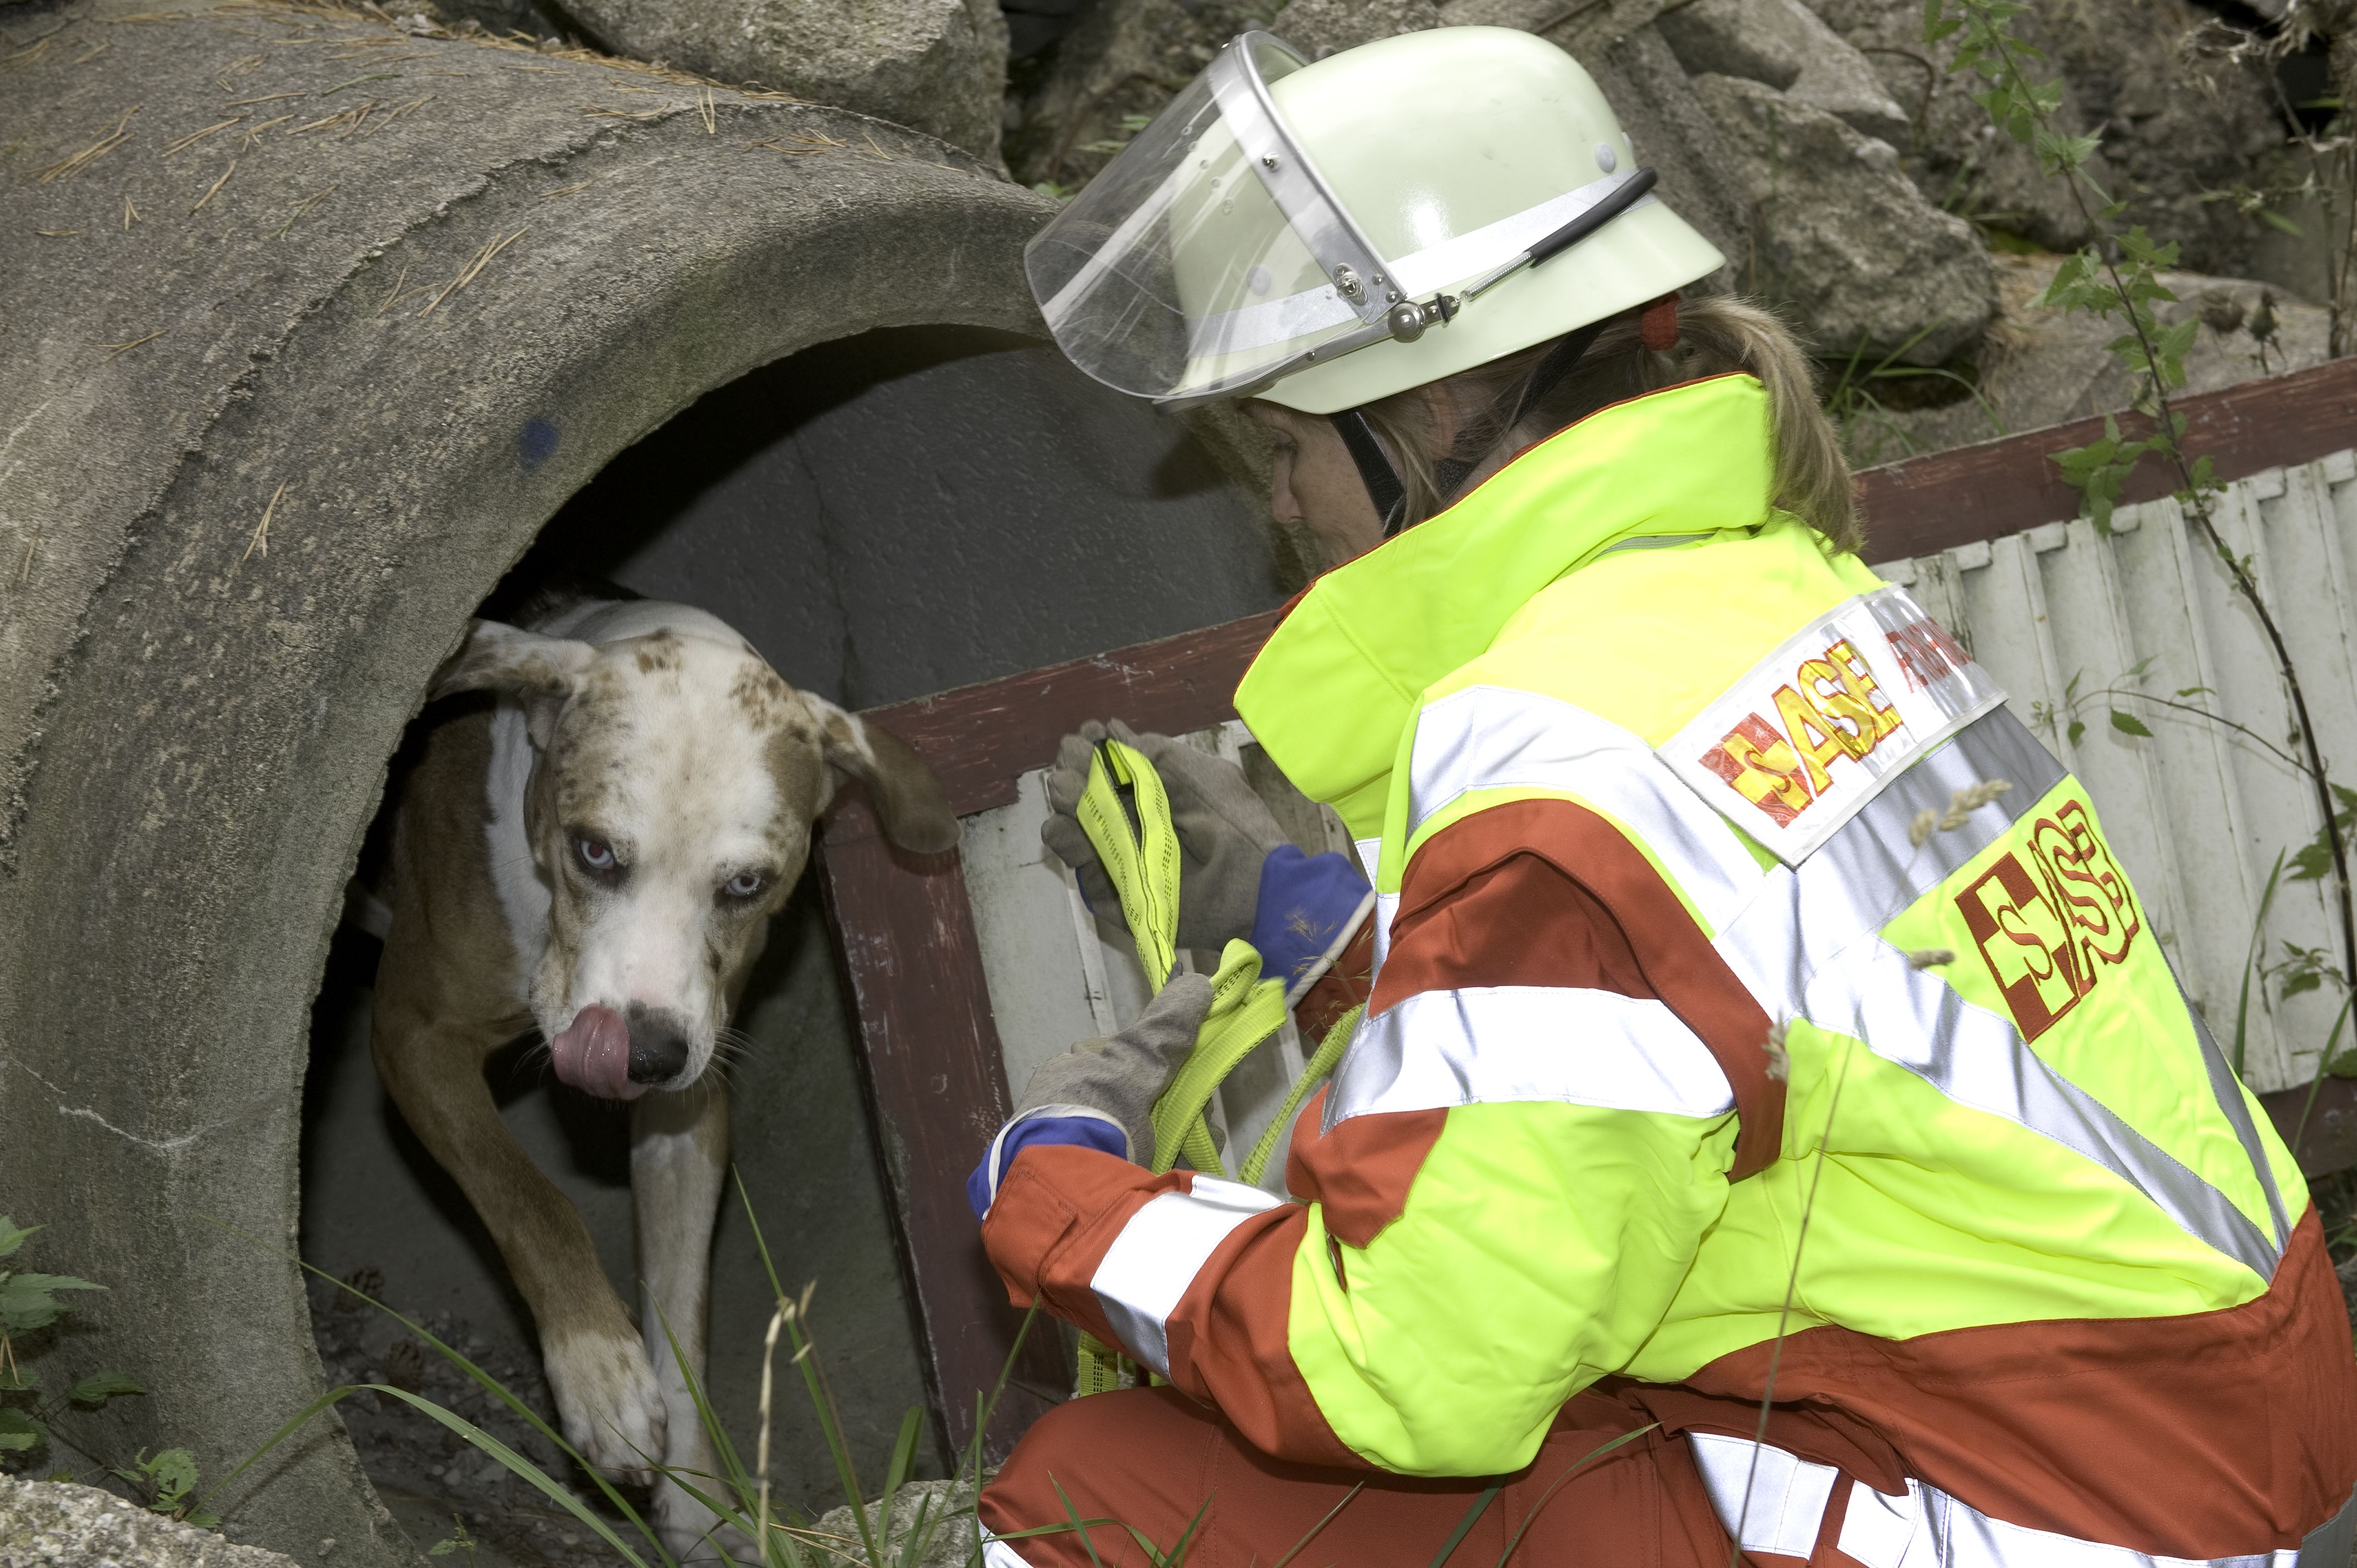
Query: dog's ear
(908, 795)
(513, 663)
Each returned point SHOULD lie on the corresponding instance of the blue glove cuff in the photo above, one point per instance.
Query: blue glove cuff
(1309, 906)
(1048, 1125)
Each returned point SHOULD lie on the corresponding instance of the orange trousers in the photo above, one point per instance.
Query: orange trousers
(1154, 1460)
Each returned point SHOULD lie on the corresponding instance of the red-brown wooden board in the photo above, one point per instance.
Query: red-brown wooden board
(912, 966)
(1920, 506)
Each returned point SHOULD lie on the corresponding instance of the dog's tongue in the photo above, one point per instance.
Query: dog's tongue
(594, 1054)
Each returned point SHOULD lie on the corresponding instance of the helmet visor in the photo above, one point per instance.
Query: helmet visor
(1177, 272)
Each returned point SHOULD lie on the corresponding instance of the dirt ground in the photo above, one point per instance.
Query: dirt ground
(430, 1478)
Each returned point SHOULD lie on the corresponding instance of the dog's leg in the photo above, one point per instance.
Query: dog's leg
(432, 1063)
(679, 1155)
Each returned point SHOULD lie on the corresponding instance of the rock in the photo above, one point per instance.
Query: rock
(56, 1522)
(1952, 151)
(2039, 367)
(935, 66)
(1589, 28)
(1843, 237)
(1321, 28)
(1033, 26)
(946, 1509)
(1126, 59)
(2178, 122)
(1675, 137)
(1782, 44)
(1111, 74)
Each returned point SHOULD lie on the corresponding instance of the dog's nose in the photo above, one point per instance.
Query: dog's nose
(658, 1044)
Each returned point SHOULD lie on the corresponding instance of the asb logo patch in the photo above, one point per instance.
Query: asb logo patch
(1831, 709)
(1804, 740)
(2048, 925)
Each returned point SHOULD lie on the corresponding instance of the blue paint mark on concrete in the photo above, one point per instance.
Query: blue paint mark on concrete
(535, 444)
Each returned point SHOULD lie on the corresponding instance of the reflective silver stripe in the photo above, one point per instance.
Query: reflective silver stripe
(1158, 1255)
(1488, 1045)
(1371, 856)
(1810, 947)
(1914, 1019)
(1805, 940)
(1780, 1501)
(1493, 738)
(2228, 1092)
(1863, 876)
(1651, 542)
(1769, 1499)
(1879, 1529)
(2329, 1543)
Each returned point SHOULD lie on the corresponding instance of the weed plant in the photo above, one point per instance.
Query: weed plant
(29, 1306)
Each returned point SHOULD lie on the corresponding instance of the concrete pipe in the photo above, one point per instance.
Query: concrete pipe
(311, 324)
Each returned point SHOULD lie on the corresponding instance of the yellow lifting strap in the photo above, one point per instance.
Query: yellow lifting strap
(1143, 866)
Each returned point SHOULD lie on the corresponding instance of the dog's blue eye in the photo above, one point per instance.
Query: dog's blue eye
(745, 884)
(596, 854)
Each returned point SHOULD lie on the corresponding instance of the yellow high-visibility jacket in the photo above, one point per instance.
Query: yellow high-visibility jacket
(1720, 897)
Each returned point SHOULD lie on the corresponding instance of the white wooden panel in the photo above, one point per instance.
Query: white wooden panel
(2198, 812)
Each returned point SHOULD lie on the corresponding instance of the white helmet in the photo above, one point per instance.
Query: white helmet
(1324, 235)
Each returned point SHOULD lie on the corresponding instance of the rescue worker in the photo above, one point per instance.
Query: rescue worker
(1763, 1041)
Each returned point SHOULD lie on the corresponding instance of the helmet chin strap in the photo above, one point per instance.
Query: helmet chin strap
(1384, 486)
(1375, 470)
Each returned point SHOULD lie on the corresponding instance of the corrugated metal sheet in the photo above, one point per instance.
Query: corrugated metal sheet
(2075, 625)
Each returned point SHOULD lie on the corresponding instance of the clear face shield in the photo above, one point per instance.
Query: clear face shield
(1210, 258)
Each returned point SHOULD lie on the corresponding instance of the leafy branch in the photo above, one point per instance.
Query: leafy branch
(2124, 689)
(2116, 276)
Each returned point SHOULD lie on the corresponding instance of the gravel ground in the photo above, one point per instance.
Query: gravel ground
(49, 1525)
(428, 1476)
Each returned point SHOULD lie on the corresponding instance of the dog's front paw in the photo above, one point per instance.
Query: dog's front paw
(607, 1403)
(691, 1532)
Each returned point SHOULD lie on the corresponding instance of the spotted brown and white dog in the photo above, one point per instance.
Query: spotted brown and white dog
(598, 855)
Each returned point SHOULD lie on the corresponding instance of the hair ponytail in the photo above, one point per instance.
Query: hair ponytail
(1716, 334)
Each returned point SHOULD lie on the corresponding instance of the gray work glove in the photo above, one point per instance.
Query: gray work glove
(1125, 1075)
(1224, 833)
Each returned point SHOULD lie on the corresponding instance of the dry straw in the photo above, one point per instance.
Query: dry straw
(193, 137)
(259, 542)
(468, 272)
(92, 153)
(214, 189)
(117, 349)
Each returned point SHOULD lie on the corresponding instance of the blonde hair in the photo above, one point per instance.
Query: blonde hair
(1716, 334)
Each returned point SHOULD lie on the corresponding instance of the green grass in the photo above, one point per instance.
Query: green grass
(1867, 392)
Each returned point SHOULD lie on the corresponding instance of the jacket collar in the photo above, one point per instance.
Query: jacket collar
(1330, 695)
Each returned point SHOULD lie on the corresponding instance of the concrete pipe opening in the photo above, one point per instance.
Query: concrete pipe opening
(882, 516)
(279, 417)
